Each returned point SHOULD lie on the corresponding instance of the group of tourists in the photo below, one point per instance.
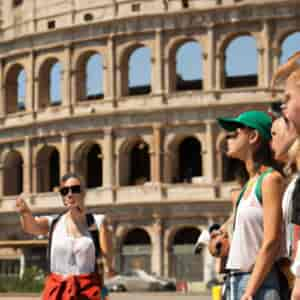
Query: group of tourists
(263, 260)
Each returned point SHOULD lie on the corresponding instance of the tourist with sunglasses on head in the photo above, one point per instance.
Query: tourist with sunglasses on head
(77, 241)
(257, 225)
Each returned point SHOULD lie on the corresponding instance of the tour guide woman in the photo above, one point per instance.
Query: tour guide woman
(255, 243)
(73, 272)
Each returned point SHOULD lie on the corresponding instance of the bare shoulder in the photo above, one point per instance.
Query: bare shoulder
(273, 178)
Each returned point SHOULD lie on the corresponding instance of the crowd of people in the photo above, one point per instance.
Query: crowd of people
(257, 246)
(263, 259)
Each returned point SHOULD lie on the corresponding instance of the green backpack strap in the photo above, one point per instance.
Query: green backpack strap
(258, 187)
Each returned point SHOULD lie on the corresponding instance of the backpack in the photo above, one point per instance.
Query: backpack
(94, 232)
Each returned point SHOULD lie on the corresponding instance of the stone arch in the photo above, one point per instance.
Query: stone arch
(136, 250)
(133, 154)
(127, 53)
(47, 169)
(288, 38)
(12, 169)
(89, 163)
(179, 169)
(15, 88)
(50, 83)
(231, 78)
(175, 82)
(83, 75)
(183, 264)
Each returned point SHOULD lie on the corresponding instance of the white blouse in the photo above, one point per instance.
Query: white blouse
(70, 255)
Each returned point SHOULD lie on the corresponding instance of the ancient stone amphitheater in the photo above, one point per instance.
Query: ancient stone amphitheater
(150, 153)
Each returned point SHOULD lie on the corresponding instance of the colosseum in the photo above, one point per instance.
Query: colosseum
(150, 153)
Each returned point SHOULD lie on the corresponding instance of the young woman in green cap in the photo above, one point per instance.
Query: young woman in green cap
(256, 242)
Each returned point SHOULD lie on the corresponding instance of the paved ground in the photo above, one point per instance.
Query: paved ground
(126, 296)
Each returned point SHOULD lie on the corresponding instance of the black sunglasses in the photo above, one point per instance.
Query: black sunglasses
(75, 189)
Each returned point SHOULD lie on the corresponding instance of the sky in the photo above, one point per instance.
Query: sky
(241, 59)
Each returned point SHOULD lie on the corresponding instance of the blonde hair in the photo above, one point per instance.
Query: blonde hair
(288, 71)
(293, 158)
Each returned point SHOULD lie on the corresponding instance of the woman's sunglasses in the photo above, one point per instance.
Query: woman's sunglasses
(74, 189)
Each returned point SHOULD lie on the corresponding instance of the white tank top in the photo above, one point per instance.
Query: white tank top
(71, 255)
(248, 234)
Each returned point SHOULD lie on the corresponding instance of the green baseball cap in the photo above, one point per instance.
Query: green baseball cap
(255, 119)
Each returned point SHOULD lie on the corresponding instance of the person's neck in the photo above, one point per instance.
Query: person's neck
(249, 163)
(76, 217)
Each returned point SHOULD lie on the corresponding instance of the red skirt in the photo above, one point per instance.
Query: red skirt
(75, 287)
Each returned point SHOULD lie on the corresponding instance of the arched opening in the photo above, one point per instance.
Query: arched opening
(55, 84)
(15, 89)
(238, 71)
(190, 160)
(189, 67)
(89, 164)
(50, 83)
(13, 174)
(139, 166)
(48, 169)
(89, 77)
(289, 46)
(184, 264)
(139, 72)
(136, 251)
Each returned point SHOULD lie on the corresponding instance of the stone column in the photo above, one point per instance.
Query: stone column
(260, 67)
(2, 90)
(156, 154)
(27, 177)
(219, 60)
(158, 74)
(276, 54)
(30, 91)
(210, 161)
(157, 254)
(111, 76)
(65, 154)
(67, 93)
(1, 179)
(108, 161)
(267, 54)
(210, 78)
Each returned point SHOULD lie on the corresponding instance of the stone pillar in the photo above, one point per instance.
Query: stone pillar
(67, 93)
(276, 54)
(158, 74)
(267, 54)
(2, 90)
(30, 91)
(65, 154)
(156, 154)
(157, 254)
(220, 60)
(210, 153)
(210, 78)
(111, 76)
(27, 174)
(260, 67)
(108, 161)
(1, 179)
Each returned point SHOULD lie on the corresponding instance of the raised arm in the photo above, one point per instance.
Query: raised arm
(106, 244)
(30, 224)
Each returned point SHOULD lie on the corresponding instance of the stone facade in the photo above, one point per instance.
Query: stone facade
(37, 34)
